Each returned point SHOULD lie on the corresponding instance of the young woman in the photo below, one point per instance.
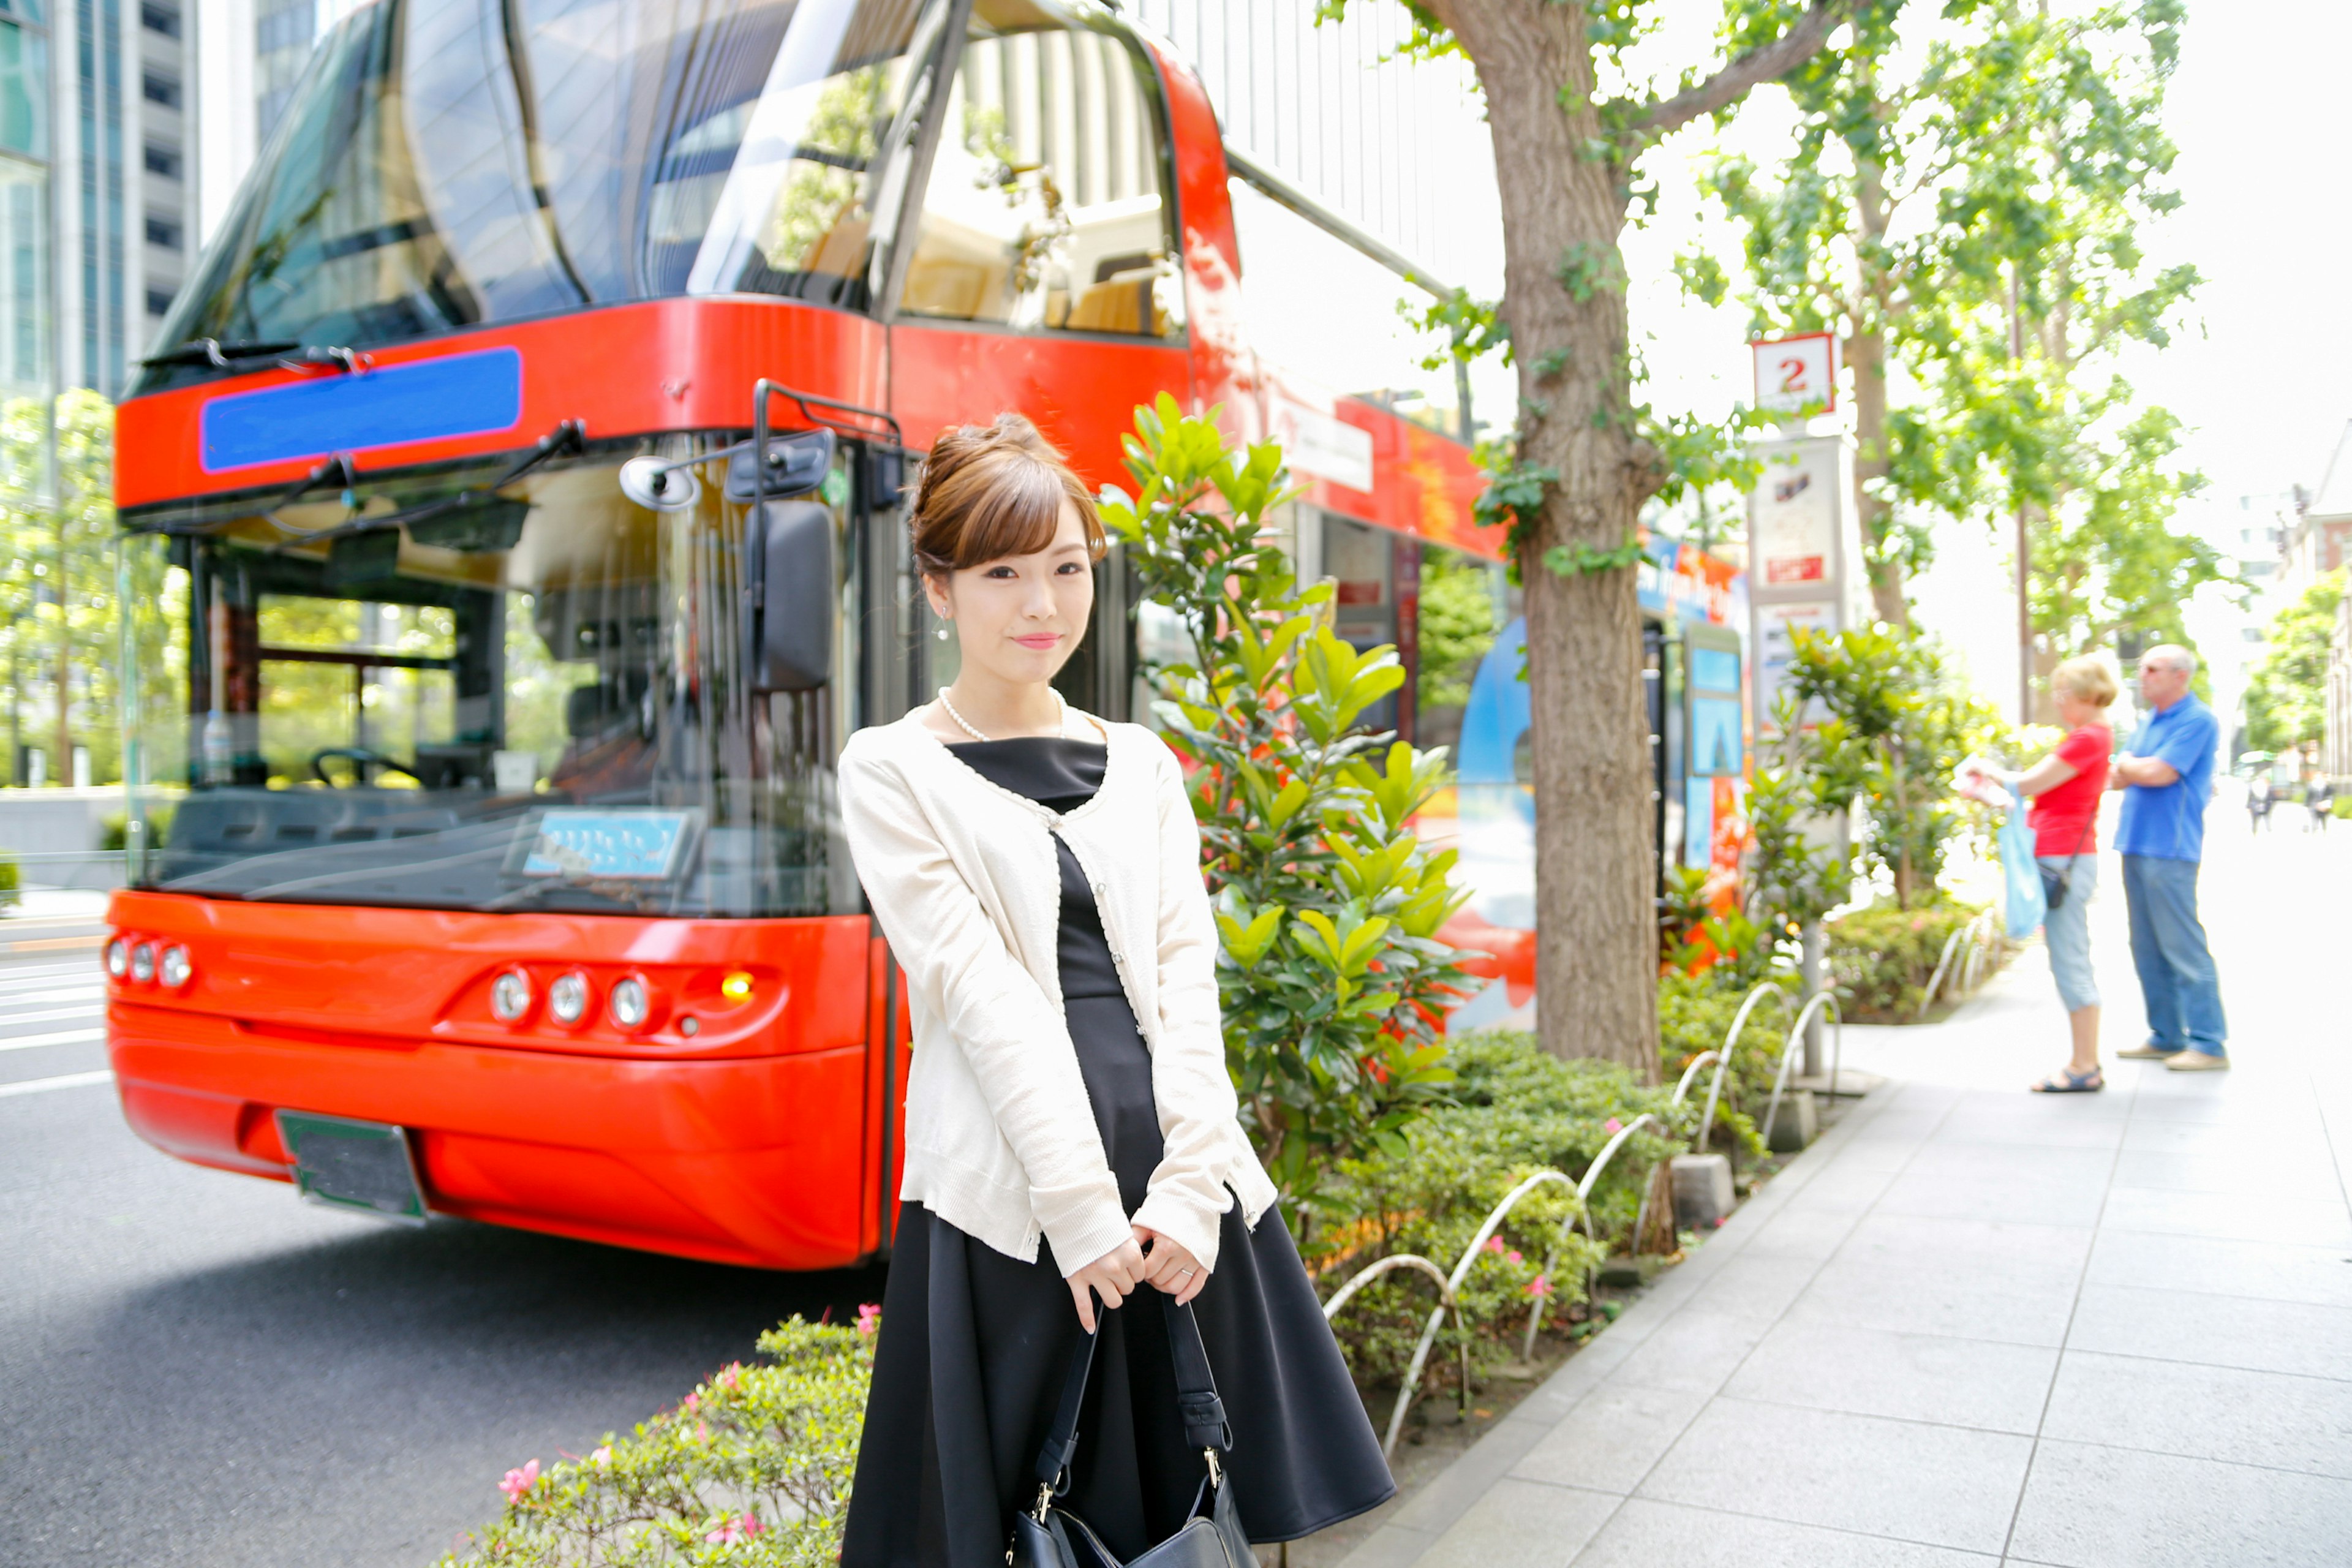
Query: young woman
(1073, 1145)
(2065, 788)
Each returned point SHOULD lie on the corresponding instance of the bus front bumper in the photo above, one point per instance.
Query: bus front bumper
(759, 1161)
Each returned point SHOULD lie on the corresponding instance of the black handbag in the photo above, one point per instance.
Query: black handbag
(2056, 885)
(1048, 1536)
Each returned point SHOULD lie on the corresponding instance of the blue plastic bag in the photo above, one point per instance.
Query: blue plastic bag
(2026, 906)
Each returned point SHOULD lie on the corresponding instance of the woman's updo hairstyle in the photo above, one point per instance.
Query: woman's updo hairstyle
(993, 491)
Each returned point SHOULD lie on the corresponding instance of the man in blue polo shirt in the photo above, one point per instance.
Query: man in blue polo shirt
(2166, 776)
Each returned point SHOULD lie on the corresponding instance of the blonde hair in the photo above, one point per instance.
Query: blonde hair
(2087, 678)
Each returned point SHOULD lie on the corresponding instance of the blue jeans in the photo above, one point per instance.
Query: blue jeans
(2176, 968)
(2067, 931)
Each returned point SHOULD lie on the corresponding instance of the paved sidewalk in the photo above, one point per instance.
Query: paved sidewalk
(1973, 1325)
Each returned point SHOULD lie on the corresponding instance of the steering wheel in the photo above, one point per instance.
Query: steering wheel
(361, 758)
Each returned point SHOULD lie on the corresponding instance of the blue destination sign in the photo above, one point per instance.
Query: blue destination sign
(432, 400)
(584, 843)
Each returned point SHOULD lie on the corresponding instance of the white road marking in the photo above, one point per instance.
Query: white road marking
(14, 977)
(62, 1037)
(50, 1015)
(43, 1085)
(55, 993)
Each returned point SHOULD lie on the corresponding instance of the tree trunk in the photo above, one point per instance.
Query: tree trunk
(1866, 352)
(1596, 945)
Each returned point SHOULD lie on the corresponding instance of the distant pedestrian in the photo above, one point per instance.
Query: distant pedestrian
(2319, 799)
(2066, 787)
(2166, 776)
(2258, 802)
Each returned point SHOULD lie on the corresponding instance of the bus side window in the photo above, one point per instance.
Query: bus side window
(1046, 211)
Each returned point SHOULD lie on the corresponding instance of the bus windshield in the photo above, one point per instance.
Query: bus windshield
(448, 162)
(536, 702)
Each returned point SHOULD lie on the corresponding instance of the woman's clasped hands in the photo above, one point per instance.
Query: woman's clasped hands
(1146, 1257)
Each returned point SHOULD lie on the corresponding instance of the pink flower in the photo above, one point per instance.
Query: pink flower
(1613, 1125)
(731, 1530)
(520, 1481)
(691, 1401)
(869, 1318)
(1514, 1256)
(602, 1457)
(1539, 1286)
(732, 1376)
(1493, 1244)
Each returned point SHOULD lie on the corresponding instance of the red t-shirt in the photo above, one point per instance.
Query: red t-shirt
(2065, 819)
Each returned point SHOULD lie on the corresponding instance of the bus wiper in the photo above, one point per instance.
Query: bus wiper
(223, 355)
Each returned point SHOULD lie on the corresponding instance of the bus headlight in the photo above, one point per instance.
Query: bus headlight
(175, 970)
(511, 997)
(118, 958)
(630, 1004)
(567, 999)
(142, 963)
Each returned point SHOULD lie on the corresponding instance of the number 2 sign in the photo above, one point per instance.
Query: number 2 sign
(1796, 375)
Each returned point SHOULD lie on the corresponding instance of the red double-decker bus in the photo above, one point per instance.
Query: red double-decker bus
(520, 487)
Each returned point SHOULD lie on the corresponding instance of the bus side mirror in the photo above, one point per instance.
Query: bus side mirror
(788, 562)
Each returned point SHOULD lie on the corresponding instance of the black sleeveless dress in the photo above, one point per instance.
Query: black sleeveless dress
(974, 1343)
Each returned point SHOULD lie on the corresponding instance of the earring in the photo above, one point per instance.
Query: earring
(942, 634)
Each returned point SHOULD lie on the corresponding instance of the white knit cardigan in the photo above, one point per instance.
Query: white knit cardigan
(961, 873)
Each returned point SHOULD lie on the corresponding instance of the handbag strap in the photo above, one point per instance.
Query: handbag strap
(2066, 878)
(1196, 1398)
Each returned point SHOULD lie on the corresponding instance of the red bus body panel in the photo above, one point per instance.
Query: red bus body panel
(763, 1137)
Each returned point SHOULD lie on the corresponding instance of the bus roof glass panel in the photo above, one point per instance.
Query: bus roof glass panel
(448, 162)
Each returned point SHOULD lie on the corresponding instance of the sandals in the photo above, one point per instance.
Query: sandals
(2071, 1083)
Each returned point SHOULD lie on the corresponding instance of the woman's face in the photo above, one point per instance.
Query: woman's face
(1020, 617)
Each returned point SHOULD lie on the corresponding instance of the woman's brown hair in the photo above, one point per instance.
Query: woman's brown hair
(993, 491)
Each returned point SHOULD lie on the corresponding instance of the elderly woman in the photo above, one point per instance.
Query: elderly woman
(2066, 787)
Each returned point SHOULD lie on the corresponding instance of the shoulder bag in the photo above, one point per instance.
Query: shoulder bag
(2055, 885)
(1048, 1536)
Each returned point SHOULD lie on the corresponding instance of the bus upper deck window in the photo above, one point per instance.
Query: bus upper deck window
(1046, 208)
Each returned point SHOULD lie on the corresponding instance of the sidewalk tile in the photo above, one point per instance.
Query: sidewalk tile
(1524, 1523)
(2264, 1418)
(1963, 1301)
(2090, 1507)
(2227, 1217)
(2022, 1254)
(1693, 1350)
(1842, 1189)
(2239, 1174)
(2268, 1139)
(1756, 1289)
(2319, 1276)
(1871, 1151)
(1647, 1535)
(2214, 1330)
(2079, 1128)
(1810, 1237)
(1910, 1377)
(1997, 1194)
(1617, 1435)
(1941, 1486)
(1957, 1160)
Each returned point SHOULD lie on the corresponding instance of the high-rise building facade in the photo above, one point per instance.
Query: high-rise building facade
(97, 185)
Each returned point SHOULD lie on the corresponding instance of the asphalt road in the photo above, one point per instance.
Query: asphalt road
(196, 1368)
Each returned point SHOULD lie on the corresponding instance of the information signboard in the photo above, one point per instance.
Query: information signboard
(1796, 375)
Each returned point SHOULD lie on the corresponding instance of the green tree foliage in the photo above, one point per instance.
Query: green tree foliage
(1331, 972)
(2287, 698)
(1897, 728)
(1458, 626)
(1962, 205)
(59, 592)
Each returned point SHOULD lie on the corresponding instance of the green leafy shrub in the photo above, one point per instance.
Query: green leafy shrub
(1695, 1012)
(1515, 1110)
(9, 886)
(1881, 958)
(752, 1470)
(1332, 976)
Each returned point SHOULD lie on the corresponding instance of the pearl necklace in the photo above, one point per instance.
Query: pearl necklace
(1061, 715)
